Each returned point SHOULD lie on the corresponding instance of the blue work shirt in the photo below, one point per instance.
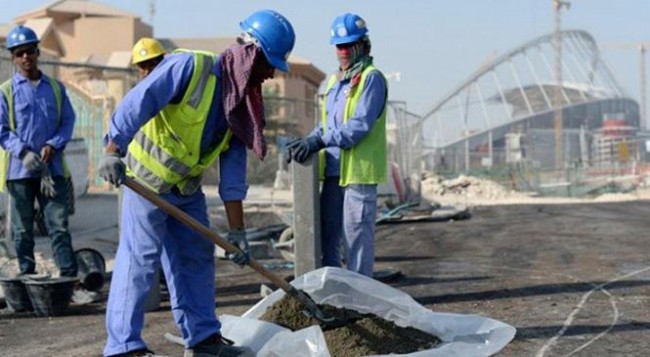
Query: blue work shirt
(37, 124)
(167, 84)
(341, 135)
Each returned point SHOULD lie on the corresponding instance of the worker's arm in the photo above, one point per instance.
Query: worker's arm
(164, 85)
(232, 182)
(9, 140)
(63, 133)
(235, 214)
(369, 108)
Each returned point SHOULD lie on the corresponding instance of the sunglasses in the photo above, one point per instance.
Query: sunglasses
(27, 51)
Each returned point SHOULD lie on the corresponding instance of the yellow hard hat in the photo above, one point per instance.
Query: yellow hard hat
(146, 49)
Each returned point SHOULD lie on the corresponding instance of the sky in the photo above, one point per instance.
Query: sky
(432, 44)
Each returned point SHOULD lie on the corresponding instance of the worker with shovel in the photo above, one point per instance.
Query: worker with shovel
(191, 110)
(352, 133)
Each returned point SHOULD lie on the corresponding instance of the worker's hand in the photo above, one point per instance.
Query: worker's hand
(47, 184)
(305, 148)
(32, 161)
(290, 147)
(112, 169)
(238, 239)
(47, 153)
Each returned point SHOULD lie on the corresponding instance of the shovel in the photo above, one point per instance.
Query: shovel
(311, 309)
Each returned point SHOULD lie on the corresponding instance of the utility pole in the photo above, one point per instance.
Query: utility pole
(557, 93)
(642, 88)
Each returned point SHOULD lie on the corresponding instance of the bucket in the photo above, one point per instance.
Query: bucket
(50, 297)
(15, 294)
(91, 268)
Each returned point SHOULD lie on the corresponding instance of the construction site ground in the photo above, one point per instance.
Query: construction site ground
(573, 276)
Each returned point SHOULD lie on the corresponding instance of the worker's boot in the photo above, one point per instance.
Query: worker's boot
(138, 353)
(218, 346)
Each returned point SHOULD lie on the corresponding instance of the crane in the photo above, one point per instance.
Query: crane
(557, 94)
(643, 48)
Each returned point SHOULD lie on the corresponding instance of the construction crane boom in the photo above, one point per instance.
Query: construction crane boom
(557, 93)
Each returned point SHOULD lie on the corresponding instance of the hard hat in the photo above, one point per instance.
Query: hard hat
(347, 28)
(145, 49)
(274, 34)
(19, 36)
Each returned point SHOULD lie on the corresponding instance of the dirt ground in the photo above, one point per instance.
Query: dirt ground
(574, 279)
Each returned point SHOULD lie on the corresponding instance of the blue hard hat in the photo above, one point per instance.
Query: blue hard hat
(347, 28)
(21, 35)
(274, 34)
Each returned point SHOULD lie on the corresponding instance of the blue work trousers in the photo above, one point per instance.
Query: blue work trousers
(348, 215)
(150, 238)
(24, 193)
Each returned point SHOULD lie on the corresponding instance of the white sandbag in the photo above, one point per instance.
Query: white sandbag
(461, 335)
(308, 342)
(249, 332)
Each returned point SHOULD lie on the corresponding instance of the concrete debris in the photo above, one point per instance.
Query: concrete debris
(44, 265)
(609, 197)
(466, 187)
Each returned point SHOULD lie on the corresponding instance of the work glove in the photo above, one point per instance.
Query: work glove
(47, 184)
(290, 147)
(238, 239)
(32, 161)
(302, 149)
(112, 169)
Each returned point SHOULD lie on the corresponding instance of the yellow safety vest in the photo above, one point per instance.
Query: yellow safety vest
(365, 163)
(166, 151)
(7, 90)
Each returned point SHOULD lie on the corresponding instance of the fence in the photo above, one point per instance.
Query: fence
(599, 163)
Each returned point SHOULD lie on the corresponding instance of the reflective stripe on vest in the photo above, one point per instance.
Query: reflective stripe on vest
(166, 151)
(366, 162)
(7, 90)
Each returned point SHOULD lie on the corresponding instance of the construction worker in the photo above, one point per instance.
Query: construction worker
(353, 133)
(36, 123)
(193, 109)
(147, 53)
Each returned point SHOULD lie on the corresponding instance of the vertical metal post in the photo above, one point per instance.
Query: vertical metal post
(306, 216)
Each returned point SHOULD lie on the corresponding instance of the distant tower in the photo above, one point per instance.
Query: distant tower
(152, 10)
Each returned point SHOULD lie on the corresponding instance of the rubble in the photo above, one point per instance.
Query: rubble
(466, 187)
(44, 265)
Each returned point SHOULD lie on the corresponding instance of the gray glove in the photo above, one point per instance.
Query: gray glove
(238, 239)
(47, 184)
(112, 169)
(32, 161)
(301, 150)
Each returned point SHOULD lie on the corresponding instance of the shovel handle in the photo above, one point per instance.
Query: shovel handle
(205, 231)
